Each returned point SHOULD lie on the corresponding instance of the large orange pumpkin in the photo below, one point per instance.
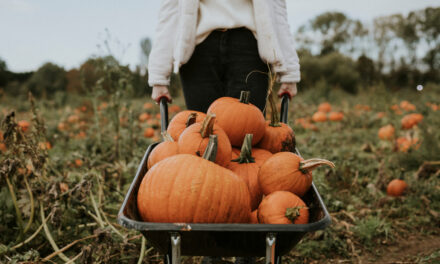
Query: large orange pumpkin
(189, 189)
(286, 171)
(278, 136)
(183, 120)
(163, 150)
(238, 117)
(247, 165)
(283, 207)
(195, 138)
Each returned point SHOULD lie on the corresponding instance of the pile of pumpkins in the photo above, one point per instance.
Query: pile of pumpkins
(227, 166)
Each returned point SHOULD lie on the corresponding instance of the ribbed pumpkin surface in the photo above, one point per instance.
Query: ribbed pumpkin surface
(189, 189)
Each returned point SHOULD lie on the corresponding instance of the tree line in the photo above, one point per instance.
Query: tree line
(336, 51)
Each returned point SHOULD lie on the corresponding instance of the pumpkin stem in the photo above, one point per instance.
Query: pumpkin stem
(293, 212)
(311, 164)
(191, 119)
(208, 125)
(166, 136)
(246, 151)
(245, 96)
(274, 117)
(211, 150)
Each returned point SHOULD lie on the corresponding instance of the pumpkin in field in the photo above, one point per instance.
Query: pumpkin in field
(407, 106)
(283, 207)
(194, 140)
(183, 120)
(403, 144)
(386, 132)
(189, 189)
(247, 165)
(409, 121)
(3, 147)
(238, 117)
(319, 117)
(325, 107)
(286, 171)
(23, 125)
(163, 150)
(144, 117)
(149, 132)
(278, 136)
(336, 116)
(396, 187)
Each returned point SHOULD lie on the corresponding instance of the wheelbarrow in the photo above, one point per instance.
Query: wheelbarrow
(220, 240)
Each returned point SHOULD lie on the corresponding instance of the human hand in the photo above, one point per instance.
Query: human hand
(289, 89)
(160, 91)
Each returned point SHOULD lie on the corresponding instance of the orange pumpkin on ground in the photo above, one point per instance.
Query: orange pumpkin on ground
(3, 147)
(194, 140)
(386, 132)
(238, 117)
(189, 189)
(396, 187)
(149, 132)
(283, 207)
(336, 116)
(278, 136)
(286, 171)
(403, 144)
(407, 106)
(163, 150)
(183, 120)
(319, 117)
(144, 117)
(23, 125)
(325, 107)
(247, 165)
(409, 121)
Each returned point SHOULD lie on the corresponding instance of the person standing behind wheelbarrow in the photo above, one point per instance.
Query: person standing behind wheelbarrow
(214, 45)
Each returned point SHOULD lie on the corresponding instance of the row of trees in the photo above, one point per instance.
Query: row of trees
(335, 51)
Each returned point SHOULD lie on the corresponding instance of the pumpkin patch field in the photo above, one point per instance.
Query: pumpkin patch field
(67, 163)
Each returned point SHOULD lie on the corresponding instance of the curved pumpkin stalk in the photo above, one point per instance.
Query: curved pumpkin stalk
(311, 164)
(191, 119)
(246, 151)
(244, 97)
(208, 125)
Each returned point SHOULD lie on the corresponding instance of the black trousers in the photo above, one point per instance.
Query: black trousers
(219, 67)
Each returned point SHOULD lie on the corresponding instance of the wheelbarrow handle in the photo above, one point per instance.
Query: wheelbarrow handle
(163, 104)
(284, 108)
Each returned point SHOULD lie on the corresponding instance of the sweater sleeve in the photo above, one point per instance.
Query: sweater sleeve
(161, 57)
(291, 71)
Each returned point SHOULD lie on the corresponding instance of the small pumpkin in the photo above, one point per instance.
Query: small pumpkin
(238, 117)
(396, 187)
(410, 120)
(386, 132)
(286, 171)
(163, 150)
(325, 107)
(336, 116)
(247, 165)
(194, 140)
(149, 132)
(23, 125)
(183, 120)
(189, 189)
(283, 207)
(319, 117)
(278, 136)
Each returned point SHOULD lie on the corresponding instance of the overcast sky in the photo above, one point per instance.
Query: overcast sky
(67, 32)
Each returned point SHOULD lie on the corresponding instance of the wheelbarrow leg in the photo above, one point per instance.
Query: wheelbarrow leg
(270, 248)
(175, 250)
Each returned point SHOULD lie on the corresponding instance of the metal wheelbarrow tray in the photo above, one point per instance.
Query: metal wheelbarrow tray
(222, 240)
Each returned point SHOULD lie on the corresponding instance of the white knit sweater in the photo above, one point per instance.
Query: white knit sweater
(175, 39)
(214, 14)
